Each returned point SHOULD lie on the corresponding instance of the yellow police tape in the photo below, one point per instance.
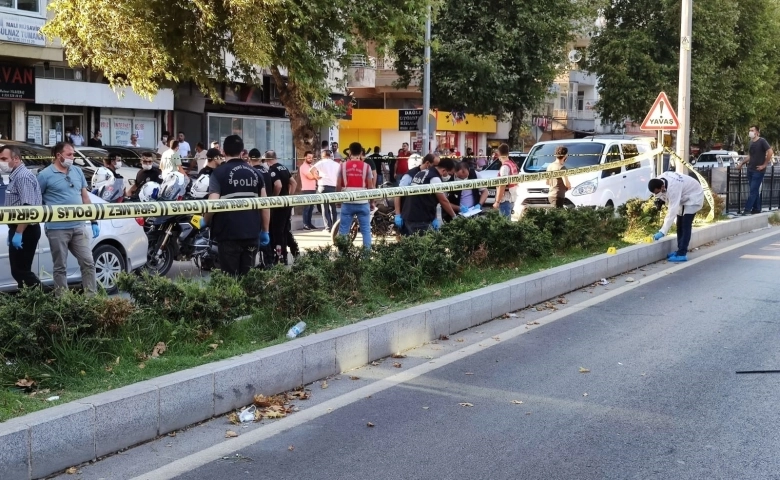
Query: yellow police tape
(109, 211)
(704, 185)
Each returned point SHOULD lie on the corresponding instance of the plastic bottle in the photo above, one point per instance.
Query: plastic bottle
(296, 330)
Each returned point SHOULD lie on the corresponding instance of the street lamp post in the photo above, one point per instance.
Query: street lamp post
(427, 85)
(684, 89)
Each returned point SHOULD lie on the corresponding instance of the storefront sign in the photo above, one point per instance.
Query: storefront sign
(120, 131)
(407, 120)
(19, 29)
(144, 129)
(17, 83)
(34, 129)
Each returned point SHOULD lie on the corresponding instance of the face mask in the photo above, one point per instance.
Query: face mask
(5, 167)
(752, 134)
(446, 178)
(67, 162)
(146, 167)
(165, 139)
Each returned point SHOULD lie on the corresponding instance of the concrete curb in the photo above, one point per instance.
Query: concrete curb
(51, 440)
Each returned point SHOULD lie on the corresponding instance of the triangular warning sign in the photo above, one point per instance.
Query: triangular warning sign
(661, 116)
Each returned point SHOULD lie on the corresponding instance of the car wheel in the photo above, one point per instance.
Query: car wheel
(109, 263)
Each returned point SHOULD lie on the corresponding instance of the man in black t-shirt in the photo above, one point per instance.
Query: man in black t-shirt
(214, 159)
(419, 211)
(377, 160)
(148, 173)
(283, 184)
(760, 155)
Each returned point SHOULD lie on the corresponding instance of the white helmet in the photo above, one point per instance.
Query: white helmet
(174, 186)
(200, 188)
(103, 177)
(149, 192)
(415, 160)
(106, 186)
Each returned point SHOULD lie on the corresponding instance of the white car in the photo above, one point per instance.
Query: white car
(716, 158)
(491, 171)
(91, 158)
(605, 188)
(121, 246)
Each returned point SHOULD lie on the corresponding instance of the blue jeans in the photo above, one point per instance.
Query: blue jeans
(363, 213)
(308, 210)
(684, 229)
(755, 179)
(505, 209)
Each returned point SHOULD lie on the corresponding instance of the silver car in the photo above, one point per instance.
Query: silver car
(121, 246)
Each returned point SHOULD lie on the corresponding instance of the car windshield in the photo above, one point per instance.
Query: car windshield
(708, 157)
(580, 155)
(496, 164)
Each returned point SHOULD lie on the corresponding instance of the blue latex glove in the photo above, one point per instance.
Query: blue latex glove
(95, 230)
(436, 223)
(17, 241)
(263, 239)
(658, 236)
(399, 222)
(476, 207)
(203, 223)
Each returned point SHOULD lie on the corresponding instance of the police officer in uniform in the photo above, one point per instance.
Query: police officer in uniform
(419, 211)
(427, 162)
(239, 233)
(282, 185)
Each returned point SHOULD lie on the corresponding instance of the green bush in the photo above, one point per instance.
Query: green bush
(578, 227)
(642, 216)
(412, 263)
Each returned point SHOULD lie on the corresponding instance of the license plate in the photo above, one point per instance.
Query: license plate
(195, 222)
(491, 192)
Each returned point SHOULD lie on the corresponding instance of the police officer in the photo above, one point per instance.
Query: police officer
(419, 211)
(283, 184)
(427, 162)
(464, 200)
(239, 233)
(213, 160)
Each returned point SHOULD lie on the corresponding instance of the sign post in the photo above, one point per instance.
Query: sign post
(660, 118)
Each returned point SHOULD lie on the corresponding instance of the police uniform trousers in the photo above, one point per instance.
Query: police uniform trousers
(280, 218)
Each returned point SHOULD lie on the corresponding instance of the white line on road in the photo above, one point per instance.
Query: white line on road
(227, 447)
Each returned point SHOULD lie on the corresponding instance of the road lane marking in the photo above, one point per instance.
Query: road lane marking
(214, 453)
(759, 257)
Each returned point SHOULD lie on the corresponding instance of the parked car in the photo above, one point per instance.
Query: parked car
(716, 158)
(131, 156)
(34, 156)
(121, 247)
(91, 158)
(605, 188)
(491, 171)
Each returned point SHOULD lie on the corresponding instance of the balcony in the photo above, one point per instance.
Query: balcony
(582, 77)
(361, 72)
(574, 114)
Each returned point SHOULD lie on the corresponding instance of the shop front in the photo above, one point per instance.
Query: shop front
(17, 84)
(262, 133)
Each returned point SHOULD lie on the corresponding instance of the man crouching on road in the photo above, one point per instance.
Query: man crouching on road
(684, 197)
(419, 211)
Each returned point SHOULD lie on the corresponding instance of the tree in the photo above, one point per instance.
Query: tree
(636, 56)
(149, 44)
(494, 58)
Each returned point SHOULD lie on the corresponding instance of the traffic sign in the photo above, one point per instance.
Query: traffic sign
(661, 116)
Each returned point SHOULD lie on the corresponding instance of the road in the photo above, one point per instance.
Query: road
(661, 399)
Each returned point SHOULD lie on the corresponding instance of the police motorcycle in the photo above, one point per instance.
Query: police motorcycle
(177, 237)
(106, 186)
(380, 217)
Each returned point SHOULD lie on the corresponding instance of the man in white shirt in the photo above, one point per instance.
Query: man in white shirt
(684, 196)
(171, 160)
(326, 172)
(133, 141)
(184, 147)
(75, 138)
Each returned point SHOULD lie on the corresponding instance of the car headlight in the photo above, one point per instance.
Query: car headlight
(586, 188)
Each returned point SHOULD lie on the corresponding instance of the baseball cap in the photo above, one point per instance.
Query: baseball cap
(255, 153)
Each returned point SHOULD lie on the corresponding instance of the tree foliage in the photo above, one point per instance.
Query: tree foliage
(149, 44)
(494, 58)
(636, 55)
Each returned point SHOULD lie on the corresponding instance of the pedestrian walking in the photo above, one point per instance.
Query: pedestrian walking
(558, 186)
(308, 186)
(22, 189)
(506, 194)
(239, 233)
(354, 175)
(760, 154)
(419, 211)
(283, 184)
(63, 184)
(327, 173)
(684, 196)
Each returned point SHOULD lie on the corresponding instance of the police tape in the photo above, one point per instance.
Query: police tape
(702, 181)
(113, 211)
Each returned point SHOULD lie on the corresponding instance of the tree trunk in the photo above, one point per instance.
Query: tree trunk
(294, 102)
(516, 131)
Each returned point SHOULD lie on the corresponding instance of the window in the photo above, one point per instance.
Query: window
(613, 155)
(25, 5)
(260, 133)
(64, 73)
(581, 154)
(630, 150)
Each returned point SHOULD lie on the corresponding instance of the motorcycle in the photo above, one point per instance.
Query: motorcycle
(179, 237)
(381, 220)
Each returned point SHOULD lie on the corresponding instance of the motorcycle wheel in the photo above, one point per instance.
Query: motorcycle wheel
(162, 265)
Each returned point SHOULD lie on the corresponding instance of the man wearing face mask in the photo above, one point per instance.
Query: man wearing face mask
(684, 196)
(148, 173)
(63, 184)
(23, 189)
(760, 155)
(419, 211)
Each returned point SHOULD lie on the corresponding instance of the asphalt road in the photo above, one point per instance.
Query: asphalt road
(661, 399)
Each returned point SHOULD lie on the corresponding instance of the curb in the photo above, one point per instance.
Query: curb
(51, 440)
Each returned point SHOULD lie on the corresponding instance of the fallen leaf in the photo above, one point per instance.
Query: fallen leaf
(354, 378)
(324, 385)
(109, 368)
(396, 365)
(172, 434)
(443, 337)
(584, 370)
(369, 424)
(82, 373)
(141, 365)
(563, 301)
(72, 471)
(291, 448)
(630, 279)
(512, 315)
(459, 340)
(214, 346)
(397, 355)
(275, 414)
(299, 394)
(25, 383)
(233, 418)
(159, 349)
(230, 434)
(466, 404)
(517, 402)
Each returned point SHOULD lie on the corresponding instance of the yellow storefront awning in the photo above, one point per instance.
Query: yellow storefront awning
(384, 119)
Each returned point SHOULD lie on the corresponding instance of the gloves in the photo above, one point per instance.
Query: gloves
(263, 239)
(17, 241)
(399, 222)
(476, 208)
(95, 230)
(658, 236)
(436, 223)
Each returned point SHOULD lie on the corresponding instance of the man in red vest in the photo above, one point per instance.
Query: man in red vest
(354, 175)
(402, 164)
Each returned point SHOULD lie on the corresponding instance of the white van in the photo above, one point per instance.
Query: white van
(605, 188)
